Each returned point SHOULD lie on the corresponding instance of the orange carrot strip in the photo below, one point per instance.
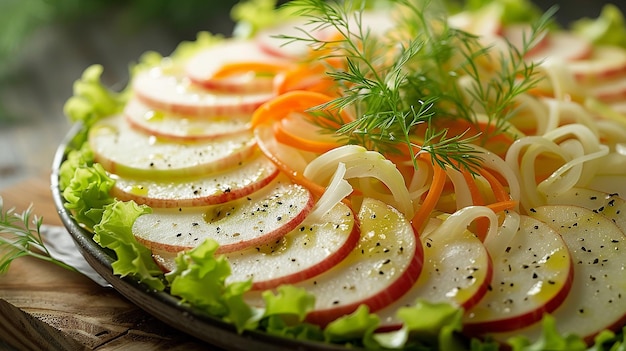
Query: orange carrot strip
(293, 101)
(502, 205)
(432, 197)
(305, 77)
(268, 148)
(482, 224)
(233, 68)
(284, 136)
(477, 196)
(498, 189)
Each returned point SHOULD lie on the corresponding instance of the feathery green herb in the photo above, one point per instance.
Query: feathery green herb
(406, 80)
(20, 235)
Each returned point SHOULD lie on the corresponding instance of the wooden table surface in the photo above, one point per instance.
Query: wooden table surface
(44, 307)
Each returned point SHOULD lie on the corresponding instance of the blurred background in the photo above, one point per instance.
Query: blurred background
(46, 44)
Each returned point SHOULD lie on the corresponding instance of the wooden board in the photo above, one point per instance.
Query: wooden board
(43, 306)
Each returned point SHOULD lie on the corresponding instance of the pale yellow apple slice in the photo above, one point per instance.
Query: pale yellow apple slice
(126, 152)
(169, 126)
(596, 300)
(311, 249)
(203, 66)
(531, 277)
(457, 270)
(264, 216)
(611, 206)
(383, 266)
(230, 184)
(174, 93)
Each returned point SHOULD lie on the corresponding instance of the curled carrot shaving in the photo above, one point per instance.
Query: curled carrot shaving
(295, 101)
(432, 197)
(482, 224)
(268, 147)
(235, 68)
(499, 191)
(284, 136)
(501, 206)
(311, 77)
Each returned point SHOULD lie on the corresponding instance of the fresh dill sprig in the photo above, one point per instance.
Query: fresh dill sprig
(495, 94)
(20, 235)
(374, 85)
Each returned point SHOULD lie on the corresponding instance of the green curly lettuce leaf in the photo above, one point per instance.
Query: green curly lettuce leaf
(87, 193)
(200, 280)
(77, 158)
(550, 339)
(285, 311)
(254, 15)
(92, 100)
(114, 232)
(426, 326)
(360, 324)
(608, 29)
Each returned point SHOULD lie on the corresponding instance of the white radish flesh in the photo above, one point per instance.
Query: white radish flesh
(383, 266)
(165, 125)
(609, 205)
(203, 66)
(531, 277)
(596, 300)
(230, 184)
(178, 95)
(457, 270)
(264, 216)
(126, 152)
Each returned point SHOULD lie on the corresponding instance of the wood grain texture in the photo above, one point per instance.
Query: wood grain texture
(43, 306)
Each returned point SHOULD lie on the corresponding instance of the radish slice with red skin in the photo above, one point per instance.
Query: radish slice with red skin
(311, 249)
(610, 205)
(203, 67)
(562, 46)
(596, 300)
(609, 90)
(176, 94)
(165, 125)
(264, 216)
(233, 183)
(531, 277)
(457, 270)
(605, 62)
(126, 152)
(385, 263)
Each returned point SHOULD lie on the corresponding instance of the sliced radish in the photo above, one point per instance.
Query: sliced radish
(605, 62)
(596, 300)
(264, 216)
(457, 270)
(269, 41)
(609, 205)
(126, 152)
(311, 249)
(531, 277)
(176, 94)
(230, 184)
(166, 125)
(518, 34)
(484, 22)
(385, 263)
(613, 90)
(562, 46)
(202, 67)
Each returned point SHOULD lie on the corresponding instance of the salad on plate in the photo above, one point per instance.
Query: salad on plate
(400, 174)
